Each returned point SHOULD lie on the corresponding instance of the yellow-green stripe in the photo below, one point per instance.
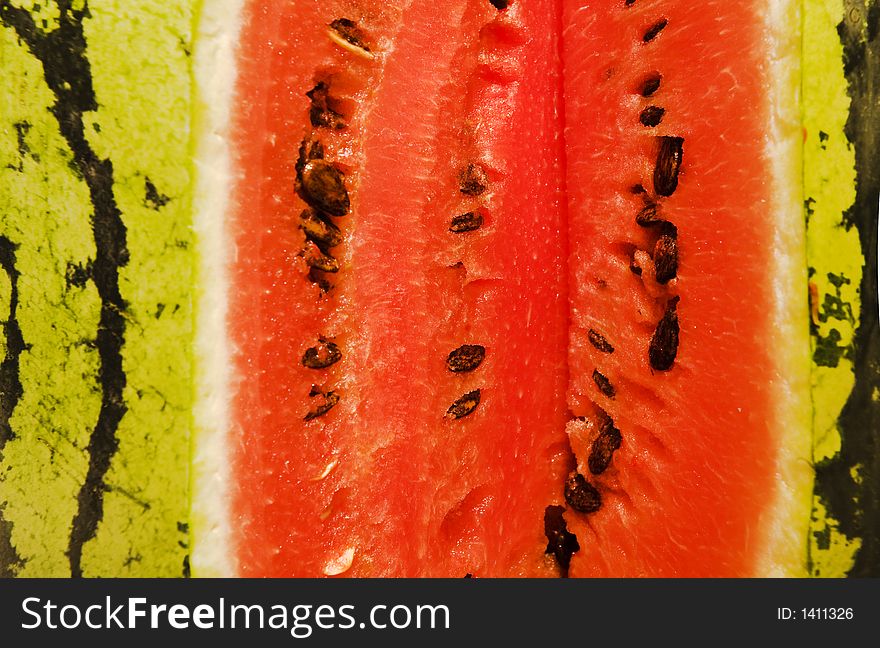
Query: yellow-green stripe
(841, 216)
(138, 66)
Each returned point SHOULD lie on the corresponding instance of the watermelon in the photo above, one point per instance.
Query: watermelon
(674, 393)
(491, 289)
(672, 255)
(414, 392)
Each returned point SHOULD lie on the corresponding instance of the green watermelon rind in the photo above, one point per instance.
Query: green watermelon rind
(78, 496)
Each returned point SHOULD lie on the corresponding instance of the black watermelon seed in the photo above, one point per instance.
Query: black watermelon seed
(321, 115)
(629, 3)
(581, 495)
(603, 448)
(668, 229)
(330, 400)
(654, 30)
(652, 116)
(466, 223)
(473, 180)
(318, 260)
(664, 342)
(561, 543)
(319, 229)
(668, 165)
(322, 186)
(326, 354)
(651, 84)
(635, 268)
(349, 31)
(665, 259)
(598, 340)
(603, 383)
(464, 405)
(317, 278)
(466, 358)
(649, 217)
(637, 189)
(500, 5)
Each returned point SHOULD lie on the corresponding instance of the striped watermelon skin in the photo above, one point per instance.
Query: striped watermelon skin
(95, 281)
(841, 107)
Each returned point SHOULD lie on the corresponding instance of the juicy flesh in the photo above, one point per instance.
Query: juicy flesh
(385, 483)
(686, 491)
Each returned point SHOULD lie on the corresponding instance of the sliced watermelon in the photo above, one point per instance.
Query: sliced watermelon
(399, 404)
(688, 357)
(415, 392)
(446, 451)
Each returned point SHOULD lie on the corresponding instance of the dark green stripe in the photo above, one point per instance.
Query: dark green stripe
(10, 385)
(67, 71)
(854, 501)
(10, 393)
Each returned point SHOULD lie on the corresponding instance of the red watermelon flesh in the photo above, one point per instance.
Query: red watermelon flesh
(418, 391)
(437, 104)
(696, 468)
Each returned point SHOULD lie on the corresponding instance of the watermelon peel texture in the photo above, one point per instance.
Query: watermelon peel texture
(95, 288)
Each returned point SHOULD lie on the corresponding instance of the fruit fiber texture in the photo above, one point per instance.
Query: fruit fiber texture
(95, 287)
(695, 420)
(461, 463)
(687, 257)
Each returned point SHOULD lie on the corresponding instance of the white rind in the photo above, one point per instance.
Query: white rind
(215, 71)
(786, 526)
